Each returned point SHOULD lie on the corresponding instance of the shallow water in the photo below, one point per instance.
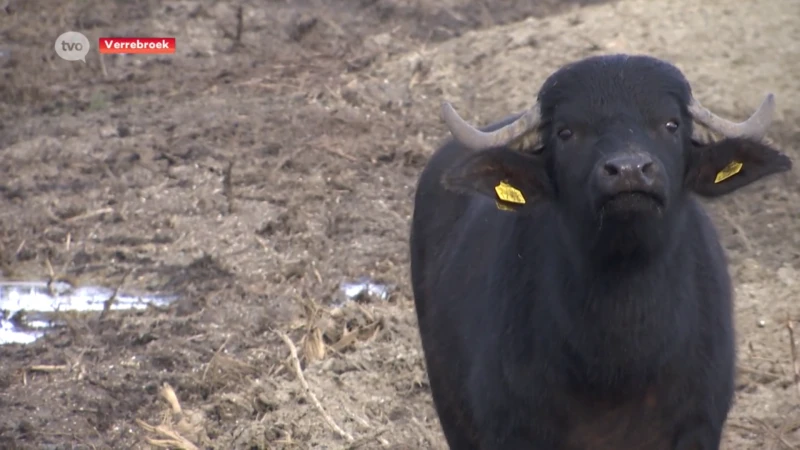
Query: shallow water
(27, 307)
(352, 290)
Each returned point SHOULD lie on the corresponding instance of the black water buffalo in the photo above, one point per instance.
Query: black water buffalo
(570, 290)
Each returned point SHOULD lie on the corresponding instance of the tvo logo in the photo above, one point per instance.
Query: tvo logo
(72, 46)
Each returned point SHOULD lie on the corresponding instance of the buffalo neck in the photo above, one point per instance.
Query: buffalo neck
(622, 244)
(611, 310)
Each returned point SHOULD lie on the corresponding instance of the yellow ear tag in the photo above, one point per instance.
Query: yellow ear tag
(730, 170)
(508, 193)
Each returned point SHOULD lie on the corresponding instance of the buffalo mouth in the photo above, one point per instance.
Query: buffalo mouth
(635, 201)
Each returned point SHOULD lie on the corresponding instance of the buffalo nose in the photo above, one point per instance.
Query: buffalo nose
(630, 171)
(628, 165)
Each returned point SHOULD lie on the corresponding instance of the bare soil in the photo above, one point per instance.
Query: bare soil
(270, 160)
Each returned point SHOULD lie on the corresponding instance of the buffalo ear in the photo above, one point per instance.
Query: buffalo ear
(725, 166)
(515, 180)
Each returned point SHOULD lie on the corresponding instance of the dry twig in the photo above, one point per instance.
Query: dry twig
(89, 215)
(47, 368)
(793, 350)
(760, 373)
(227, 186)
(748, 244)
(362, 442)
(19, 249)
(110, 302)
(51, 277)
(173, 439)
(211, 361)
(236, 36)
(168, 394)
(775, 434)
(103, 66)
(299, 373)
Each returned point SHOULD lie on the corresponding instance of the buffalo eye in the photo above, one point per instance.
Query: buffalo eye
(564, 134)
(671, 126)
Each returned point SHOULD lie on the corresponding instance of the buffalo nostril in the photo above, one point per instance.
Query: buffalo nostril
(611, 169)
(648, 168)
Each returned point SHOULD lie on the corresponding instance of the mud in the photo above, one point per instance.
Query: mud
(269, 161)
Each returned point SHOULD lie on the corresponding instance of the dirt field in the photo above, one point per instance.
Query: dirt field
(267, 162)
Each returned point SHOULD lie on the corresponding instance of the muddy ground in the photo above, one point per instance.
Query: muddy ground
(272, 158)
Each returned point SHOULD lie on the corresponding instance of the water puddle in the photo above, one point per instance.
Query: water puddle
(351, 291)
(27, 308)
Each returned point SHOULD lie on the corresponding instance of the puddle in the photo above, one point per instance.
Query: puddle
(362, 286)
(27, 307)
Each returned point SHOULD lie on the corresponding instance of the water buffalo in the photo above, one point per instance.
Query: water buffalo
(571, 292)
